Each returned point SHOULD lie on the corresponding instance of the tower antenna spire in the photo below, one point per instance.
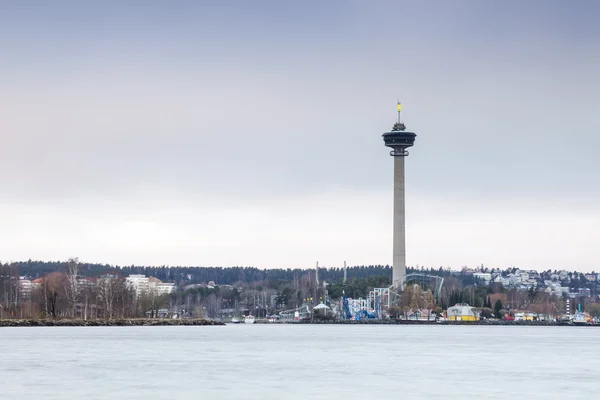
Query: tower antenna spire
(399, 126)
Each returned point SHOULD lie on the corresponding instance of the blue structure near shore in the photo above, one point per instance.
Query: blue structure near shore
(363, 314)
(346, 308)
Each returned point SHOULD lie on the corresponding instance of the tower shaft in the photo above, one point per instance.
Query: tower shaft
(399, 238)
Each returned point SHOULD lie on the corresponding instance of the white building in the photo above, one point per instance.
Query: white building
(502, 280)
(563, 274)
(84, 282)
(161, 288)
(483, 276)
(524, 276)
(142, 284)
(25, 287)
(139, 283)
(557, 289)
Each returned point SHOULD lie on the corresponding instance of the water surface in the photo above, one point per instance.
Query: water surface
(299, 362)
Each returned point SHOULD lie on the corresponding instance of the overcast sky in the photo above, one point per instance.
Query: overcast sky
(249, 133)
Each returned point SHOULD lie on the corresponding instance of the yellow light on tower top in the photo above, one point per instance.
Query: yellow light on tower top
(399, 106)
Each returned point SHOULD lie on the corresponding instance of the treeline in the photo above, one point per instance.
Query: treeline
(63, 294)
(241, 274)
(220, 275)
(192, 275)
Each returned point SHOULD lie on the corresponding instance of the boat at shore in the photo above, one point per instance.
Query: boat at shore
(234, 320)
(249, 319)
(582, 318)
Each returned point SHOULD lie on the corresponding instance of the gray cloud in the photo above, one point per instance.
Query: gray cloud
(246, 122)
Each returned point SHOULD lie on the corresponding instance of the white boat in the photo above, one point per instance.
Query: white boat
(249, 319)
(234, 320)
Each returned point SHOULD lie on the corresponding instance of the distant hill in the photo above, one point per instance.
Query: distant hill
(189, 275)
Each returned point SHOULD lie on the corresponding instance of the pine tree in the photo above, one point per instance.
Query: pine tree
(497, 308)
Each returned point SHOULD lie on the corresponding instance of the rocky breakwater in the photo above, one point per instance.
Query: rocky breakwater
(111, 322)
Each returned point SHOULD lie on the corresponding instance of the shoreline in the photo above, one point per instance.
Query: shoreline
(7, 323)
(111, 322)
(446, 323)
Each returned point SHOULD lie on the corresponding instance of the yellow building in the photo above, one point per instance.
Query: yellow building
(525, 316)
(462, 312)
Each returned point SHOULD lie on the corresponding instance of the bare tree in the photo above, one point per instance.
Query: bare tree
(53, 289)
(416, 300)
(89, 297)
(107, 293)
(9, 290)
(72, 274)
(429, 301)
(395, 311)
(125, 303)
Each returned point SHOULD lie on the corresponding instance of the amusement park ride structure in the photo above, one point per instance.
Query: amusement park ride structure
(379, 300)
(374, 306)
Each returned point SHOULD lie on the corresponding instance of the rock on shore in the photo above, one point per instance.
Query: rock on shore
(112, 322)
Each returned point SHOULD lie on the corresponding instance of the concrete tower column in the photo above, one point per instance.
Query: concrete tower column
(399, 260)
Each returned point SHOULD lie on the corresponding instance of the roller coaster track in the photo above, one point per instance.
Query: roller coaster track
(288, 315)
(424, 280)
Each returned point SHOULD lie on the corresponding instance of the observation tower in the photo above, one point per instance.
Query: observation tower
(399, 140)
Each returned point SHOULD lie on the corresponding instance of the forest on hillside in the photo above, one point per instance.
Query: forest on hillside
(238, 275)
(185, 275)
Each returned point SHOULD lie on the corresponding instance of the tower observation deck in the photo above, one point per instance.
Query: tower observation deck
(399, 140)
